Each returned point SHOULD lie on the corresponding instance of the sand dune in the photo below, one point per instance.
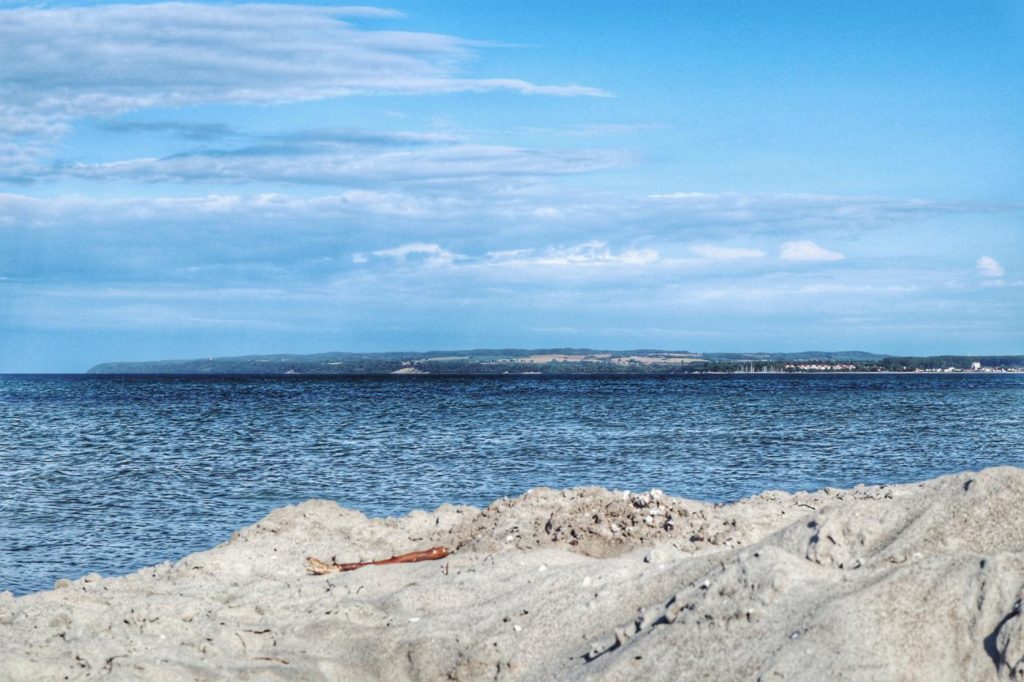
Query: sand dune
(915, 582)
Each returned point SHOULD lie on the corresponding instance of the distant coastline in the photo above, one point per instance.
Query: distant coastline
(569, 361)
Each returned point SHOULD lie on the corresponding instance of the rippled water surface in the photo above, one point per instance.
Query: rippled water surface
(109, 474)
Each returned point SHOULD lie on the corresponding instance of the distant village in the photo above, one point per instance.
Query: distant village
(976, 367)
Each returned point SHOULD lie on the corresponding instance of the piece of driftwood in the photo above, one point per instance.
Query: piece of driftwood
(318, 567)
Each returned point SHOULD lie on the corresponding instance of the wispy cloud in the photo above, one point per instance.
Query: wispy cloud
(330, 161)
(530, 209)
(754, 210)
(806, 250)
(425, 254)
(199, 132)
(64, 63)
(20, 160)
(594, 253)
(591, 253)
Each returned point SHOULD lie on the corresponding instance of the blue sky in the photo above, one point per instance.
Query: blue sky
(203, 179)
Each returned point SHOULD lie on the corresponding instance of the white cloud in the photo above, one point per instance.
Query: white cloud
(989, 267)
(592, 253)
(712, 252)
(588, 254)
(64, 63)
(428, 254)
(806, 250)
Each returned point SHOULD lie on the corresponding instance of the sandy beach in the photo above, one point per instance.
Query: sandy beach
(916, 582)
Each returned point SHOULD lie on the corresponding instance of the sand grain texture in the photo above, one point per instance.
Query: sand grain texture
(912, 582)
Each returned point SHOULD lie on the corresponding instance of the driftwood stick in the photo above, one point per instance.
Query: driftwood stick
(318, 567)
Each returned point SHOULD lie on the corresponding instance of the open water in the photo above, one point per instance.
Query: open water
(109, 474)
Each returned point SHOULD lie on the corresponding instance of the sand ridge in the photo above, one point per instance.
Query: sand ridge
(921, 581)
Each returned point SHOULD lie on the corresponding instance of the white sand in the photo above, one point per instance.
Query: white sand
(916, 582)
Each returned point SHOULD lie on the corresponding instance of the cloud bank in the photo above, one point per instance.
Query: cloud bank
(60, 64)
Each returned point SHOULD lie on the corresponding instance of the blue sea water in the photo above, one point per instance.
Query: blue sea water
(109, 474)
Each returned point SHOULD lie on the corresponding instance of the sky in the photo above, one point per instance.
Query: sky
(183, 180)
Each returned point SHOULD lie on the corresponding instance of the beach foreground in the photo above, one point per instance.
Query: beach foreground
(920, 581)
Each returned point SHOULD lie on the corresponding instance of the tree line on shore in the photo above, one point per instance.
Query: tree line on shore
(372, 364)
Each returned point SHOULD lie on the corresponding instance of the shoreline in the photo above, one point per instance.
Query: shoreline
(566, 375)
(920, 580)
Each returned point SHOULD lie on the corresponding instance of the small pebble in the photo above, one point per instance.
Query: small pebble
(517, 628)
(414, 620)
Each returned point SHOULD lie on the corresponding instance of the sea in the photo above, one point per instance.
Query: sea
(109, 474)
